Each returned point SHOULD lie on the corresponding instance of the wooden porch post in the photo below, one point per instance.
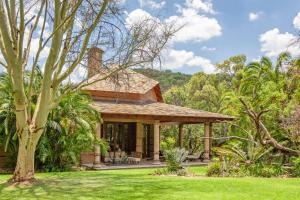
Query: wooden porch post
(180, 136)
(210, 136)
(207, 141)
(139, 139)
(97, 152)
(156, 139)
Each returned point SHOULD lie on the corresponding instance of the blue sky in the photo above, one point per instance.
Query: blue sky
(226, 28)
(214, 30)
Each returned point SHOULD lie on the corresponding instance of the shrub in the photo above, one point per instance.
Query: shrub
(231, 169)
(174, 158)
(295, 170)
(267, 171)
(260, 170)
(160, 172)
(182, 172)
(214, 169)
(168, 143)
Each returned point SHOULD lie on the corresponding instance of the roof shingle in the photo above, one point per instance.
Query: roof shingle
(155, 109)
(125, 81)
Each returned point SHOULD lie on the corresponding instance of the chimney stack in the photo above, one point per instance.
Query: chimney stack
(94, 61)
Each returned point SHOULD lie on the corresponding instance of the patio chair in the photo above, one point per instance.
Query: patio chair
(135, 158)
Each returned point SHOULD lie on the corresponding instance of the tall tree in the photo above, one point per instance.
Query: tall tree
(67, 29)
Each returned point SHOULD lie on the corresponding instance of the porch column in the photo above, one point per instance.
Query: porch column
(207, 141)
(156, 140)
(97, 152)
(180, 136)
(139, 139)
(210, 135)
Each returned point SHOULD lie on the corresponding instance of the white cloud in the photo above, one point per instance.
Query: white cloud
(3, 61)
(137, 16)
(174, 59)
(273, 43)
(254, 16)
(152, 4)
(257, 59)
(200, 5)
(195, 27)
(34, 47)
(79, 74)
(205, 48)
(121, 1)
(296, 21)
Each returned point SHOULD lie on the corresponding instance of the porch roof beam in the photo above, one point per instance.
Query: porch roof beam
(163, 119)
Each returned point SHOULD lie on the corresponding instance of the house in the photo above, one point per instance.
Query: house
(132, 110)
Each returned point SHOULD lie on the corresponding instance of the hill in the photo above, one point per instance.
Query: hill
(166, 78)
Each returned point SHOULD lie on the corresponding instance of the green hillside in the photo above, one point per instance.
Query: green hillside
(166, 78)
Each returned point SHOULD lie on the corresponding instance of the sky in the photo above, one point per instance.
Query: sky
(214, 30)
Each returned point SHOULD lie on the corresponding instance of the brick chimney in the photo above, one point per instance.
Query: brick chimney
(94, 61)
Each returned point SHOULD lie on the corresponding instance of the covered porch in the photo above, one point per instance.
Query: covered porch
(132, 131)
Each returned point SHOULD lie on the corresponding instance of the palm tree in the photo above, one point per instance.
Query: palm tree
(70, 130)
(255, 75)
(8, 137)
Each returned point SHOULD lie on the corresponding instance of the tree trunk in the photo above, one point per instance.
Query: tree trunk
(24, 170)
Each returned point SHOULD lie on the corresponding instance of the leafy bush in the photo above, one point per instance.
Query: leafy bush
(160, 172)
(295, 170)
(69, 131)
(179, 172)
(231, 169)
(168, 143)
(214, 169)
(260, 170)
(174, 158)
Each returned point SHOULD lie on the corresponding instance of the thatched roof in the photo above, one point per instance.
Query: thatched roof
(157, 111)
(125, 81)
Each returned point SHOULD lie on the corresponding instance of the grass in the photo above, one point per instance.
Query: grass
(138, 184)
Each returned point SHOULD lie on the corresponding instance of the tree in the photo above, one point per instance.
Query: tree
(7, 117)
(265, 136)
(263, 86)
(67, 29)
(232, 65)
(68, 132)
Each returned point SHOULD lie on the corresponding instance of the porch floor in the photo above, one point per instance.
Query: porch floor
(143, 164)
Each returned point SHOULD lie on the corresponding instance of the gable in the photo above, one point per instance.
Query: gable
(126, 84)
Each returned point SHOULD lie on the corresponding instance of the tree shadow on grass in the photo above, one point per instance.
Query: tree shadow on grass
(90, 186)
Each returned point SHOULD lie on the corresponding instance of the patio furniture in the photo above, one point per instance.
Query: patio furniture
(133, 160)
(118, 157)
(192, 157)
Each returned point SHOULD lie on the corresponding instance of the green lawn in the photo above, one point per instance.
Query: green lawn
(138, 184)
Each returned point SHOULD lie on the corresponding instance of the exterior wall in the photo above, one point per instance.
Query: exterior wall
(87, 157)
(105, 95)
(94, 61)
(150, 96)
